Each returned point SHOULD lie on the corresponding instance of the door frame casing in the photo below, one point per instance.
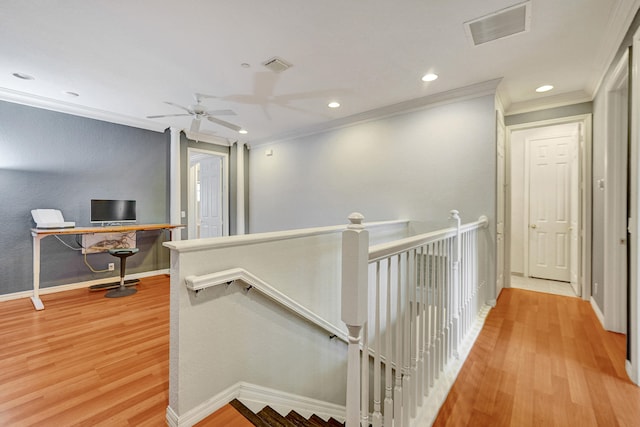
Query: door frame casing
(615, 207)
(585, 150)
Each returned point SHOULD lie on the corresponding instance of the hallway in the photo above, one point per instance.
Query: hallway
(543, 360)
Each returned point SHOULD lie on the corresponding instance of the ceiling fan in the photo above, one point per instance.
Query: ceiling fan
(199, 111)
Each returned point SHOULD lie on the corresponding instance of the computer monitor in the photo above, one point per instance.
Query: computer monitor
(113, 211)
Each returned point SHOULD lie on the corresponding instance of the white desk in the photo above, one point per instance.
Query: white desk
(39, 234)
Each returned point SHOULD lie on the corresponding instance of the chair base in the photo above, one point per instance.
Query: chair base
(120, 292)
(113, 285)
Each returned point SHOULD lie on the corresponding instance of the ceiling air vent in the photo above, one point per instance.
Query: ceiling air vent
(506, 22)
(277, 65)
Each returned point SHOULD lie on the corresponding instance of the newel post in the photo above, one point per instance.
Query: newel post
(454, 215)
(355, 261)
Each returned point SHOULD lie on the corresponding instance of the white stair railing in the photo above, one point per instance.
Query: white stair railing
(408, 305)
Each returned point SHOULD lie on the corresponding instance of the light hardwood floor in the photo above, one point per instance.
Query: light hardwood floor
(541, 360)
(86, 360)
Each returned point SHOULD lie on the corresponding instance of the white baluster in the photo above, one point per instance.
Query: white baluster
(398, 393)
(432, 314)
(413, 319)
(355, 259)
(406, 361)
(420, 325)
(376, 417)
(388, 379)
(364, 378)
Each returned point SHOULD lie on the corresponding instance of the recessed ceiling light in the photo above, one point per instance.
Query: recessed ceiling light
(70, 93)
(242, 131)
(429, 77)
(333, 104)
(23, 76)
(544, 88)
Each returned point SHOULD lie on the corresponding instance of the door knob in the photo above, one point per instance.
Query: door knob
(534, 226)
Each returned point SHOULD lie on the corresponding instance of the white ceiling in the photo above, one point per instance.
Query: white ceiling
(126, 58)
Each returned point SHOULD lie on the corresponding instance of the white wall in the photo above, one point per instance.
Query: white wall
(417, 166)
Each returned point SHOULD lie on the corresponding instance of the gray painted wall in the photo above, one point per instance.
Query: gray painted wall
(60, 161)
(416, 166)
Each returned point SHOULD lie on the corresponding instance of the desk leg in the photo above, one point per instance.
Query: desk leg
(35, 299)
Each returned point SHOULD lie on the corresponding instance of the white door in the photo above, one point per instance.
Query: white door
(210, 197)
(549, 207)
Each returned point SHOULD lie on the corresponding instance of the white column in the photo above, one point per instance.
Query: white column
(174, 179)
(240, 226)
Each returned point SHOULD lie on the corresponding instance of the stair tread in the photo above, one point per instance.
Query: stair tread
(317, 421)
(297, 419)
(274, 419)
(248, 414)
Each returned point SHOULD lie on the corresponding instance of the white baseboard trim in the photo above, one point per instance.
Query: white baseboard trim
(79, 285)
(256, 397)
(632, 373)
(597, 310)
(438, 394)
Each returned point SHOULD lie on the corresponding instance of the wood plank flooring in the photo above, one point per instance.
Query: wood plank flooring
(86, 360)
(541, 360)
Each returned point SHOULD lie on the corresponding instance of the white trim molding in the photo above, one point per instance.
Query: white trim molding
(79, 285)
(256, 397)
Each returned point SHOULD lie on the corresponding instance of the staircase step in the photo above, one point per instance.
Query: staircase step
(248, 414)
(269, 417)
(297, 419)
(317, 421)
(273, 418)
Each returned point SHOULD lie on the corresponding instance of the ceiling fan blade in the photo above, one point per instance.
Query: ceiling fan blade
(223, 123)
(195, 125)
(178, 106)
(200, 96)
(167, 115)
(221, 113)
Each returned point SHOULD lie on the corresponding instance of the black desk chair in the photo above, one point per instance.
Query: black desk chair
(122, 290)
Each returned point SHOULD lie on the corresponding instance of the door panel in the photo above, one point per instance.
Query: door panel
(210, 199)
(549, 207)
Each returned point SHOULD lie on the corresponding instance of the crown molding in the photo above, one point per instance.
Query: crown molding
(488, 87)
(37, 101)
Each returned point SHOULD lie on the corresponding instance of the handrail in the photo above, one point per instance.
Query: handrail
(385, 250)
(199, 283)
(239, 240)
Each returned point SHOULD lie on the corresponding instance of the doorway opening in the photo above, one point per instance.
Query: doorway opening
(208, 199)
(547, 205)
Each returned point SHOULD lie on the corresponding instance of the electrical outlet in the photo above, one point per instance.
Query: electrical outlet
(111, 266)
(595, 288)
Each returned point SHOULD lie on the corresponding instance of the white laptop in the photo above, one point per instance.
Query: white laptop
(50, 218)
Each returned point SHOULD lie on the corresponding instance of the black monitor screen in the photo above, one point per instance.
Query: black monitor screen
(113, 210)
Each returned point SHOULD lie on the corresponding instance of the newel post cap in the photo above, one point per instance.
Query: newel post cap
(356, 219)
